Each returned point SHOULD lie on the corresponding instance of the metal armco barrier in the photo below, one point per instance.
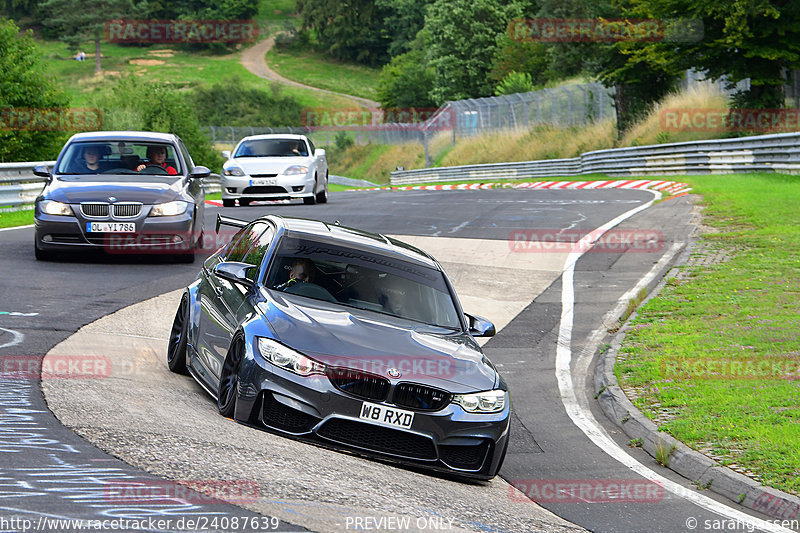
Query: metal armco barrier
(18, 185)
(763, 153)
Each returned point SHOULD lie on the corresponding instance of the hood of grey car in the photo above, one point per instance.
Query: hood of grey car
(379, 344)
(267, 165)
(149, 190)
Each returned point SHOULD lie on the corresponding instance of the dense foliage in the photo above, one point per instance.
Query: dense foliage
(136, 104)
(24, 86)
(229, 103)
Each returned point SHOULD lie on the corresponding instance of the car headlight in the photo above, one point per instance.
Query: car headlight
(169, 209)
(51, 207)
(295, 169)
(288, 359)
(492, 401)
(233, 171)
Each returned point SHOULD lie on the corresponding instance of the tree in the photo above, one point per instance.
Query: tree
(79, 20)
(402, 22)
(756, 39)
(463, 39)
(24, 86)
(515, 82)
(351, 30)
(407, 80)
(136, 104)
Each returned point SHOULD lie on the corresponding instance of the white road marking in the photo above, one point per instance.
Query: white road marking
(16, 227)
(581, 415)
(18, 338)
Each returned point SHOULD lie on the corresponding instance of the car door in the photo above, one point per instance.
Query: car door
(219, 301)
(195, 190)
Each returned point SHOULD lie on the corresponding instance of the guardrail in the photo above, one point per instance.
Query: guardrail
(763, 153)
(19, 187)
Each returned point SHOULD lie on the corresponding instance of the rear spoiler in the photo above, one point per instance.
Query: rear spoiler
(228, 221)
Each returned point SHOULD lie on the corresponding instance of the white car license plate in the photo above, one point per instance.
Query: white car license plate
(263, 181)
(386, 416)
(110, 227)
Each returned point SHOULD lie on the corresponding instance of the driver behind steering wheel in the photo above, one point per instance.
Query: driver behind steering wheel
(156, 157)
(302, 271)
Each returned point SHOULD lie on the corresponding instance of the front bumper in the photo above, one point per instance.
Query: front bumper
(168, 234)
(448, 440)
(284, 188)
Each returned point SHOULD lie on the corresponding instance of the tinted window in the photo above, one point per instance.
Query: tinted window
(364, 280)
(256, 254)
(313, 148)
(271, 148)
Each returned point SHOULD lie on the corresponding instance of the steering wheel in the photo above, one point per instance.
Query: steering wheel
(312, 290)
(150, 167)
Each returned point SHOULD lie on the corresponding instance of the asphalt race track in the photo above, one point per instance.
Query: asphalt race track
(490, 243)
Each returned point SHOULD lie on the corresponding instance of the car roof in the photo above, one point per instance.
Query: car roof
(123, 136)
(273, 136)
(357, 238)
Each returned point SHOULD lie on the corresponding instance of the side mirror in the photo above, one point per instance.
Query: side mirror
(319, 152)
(235, 272)
(226, 154)
(200, 173)
(42, 171)
(479, 326)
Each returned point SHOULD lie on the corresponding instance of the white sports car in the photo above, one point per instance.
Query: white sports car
(275, 167)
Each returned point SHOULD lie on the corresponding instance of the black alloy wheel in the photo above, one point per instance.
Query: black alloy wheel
(229, 380)
(176, 349)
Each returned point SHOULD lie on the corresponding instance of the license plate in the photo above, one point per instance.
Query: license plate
(263, 181)
(110, 227)
(386, 416)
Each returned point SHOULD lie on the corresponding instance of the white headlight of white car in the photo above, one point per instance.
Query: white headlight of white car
(295, 169)
(169, 209)
(51, 207)
(233, 171)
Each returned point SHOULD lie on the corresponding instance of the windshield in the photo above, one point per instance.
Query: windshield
(272, 148)
(363, 280)
(120, 157)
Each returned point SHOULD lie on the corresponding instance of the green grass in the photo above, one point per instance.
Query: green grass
(743, 310)
(321, 71)
(10, 219)
(179, 68)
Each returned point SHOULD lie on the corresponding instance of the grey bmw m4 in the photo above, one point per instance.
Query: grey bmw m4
(345, 338)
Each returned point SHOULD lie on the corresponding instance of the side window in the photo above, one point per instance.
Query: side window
(256, 254)
(186, 157)
(313, 149)
(243, 241)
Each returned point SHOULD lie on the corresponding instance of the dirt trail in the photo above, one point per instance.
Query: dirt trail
(253, 59)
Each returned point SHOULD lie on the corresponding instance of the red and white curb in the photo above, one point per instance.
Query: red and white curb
(218, 203)
(671, 187)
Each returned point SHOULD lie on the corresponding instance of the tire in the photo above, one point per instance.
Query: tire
(243, 202)
(322, 197)
(189, 256)
(176, 349)
(311, 200)
(41, 255)
(229, 379)
(226, 202)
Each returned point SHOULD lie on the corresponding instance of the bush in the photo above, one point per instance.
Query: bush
(342, 141)
(229, 103)
(135, 104)
(515, 82)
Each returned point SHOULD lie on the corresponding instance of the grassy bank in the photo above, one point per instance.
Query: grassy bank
(10, 219)
(714, 358)
(321, 71)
